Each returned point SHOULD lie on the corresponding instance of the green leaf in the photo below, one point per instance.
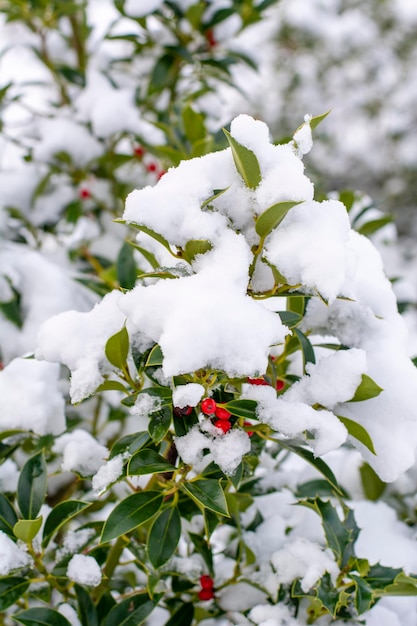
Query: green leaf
(364, 594)
(26, 530)
(306, 347)
(8, 517)
(242, 408)
(131, 513)
(31, 488)
(373, 225)
(148, 462)
(86, 608)
(12, 309)
(193, 123)
(203, 548)
(195, 247)
(160, 423)
(245, 161)
(296, 305)
(163, 74)
(315, 488)
(126, 267)
(367, 389)
(372, 485)
(403, 585)
(379, 576)
(130, 443)
(111, 385)
(207, 493)
(41, 616)
(272, 217)
(117, 348)
(358, 432)
(151, 258)
(11, 589)
(155, 357)
(315, 121)
(183, 616)
(130, 612)
(318, 463)
(289, 318)
(164, 536)
(148, 231)
(216, 194)
(62, 513)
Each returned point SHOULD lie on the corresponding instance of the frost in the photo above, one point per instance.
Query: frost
(40, 408)
(306, 560)
(11, 556)
(81, 452)
(84, 570)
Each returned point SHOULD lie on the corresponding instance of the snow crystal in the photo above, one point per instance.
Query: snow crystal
(108, 473)
(78, 340)
(11, 556)
(310, 247)
(81, 452)
(187, 395)
(306, 560)
(84, 570)
(40, 408)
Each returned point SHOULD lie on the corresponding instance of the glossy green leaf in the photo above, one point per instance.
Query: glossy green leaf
(193, 123)
(245, 161)
(182, 616)
(159, 238)
(155, 357)
(379, 577)
(315, 121)
(130, 513)
(160, 423)
(130, 443)
(117, 348)
(318, 463)
(26, 530)
(151, 258)
(8, 517)
(163, 73)
(403, 585)
(130, 612)
(358, 432)
(126, 267)
(367, 389)
(242, 408)
(207, 493)
(203, 548)
(31, 488)
(216, 194)
(148, 462)
(372, 485)
(272, 217)
(289, 318)
(164, 536)
(364, 594)
(41, 616)
(306, 347)
(374, 225)
(60, 514)
(86, 608)
(195, 247)
(11, 589)
(111, 385)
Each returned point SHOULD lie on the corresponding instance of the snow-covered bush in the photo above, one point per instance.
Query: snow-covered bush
(200, 404)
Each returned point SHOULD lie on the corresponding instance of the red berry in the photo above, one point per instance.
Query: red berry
(139, 151)
(280, 384)
(211, 40)
(222, 414)
(248, 432)
(151, 167)
(161, 173)
(208, 406)
(182, 411)
(206, 594)
(224, 425)
(257, 381)
(85, 193)
(206, 582)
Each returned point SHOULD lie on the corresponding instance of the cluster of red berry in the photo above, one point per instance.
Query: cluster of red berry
(209, 407)
(151, 166)
(261, 381)
(206, 592)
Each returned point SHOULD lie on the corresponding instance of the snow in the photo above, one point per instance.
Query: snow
(108, 473)
(41, 408)
(84, 570)
(267, 615)
(81, 452)
(240, 597)
(187, 395)
(69, 613)
(305, 560)
(12, 557)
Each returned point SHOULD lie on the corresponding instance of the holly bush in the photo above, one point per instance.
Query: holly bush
(186, 380)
